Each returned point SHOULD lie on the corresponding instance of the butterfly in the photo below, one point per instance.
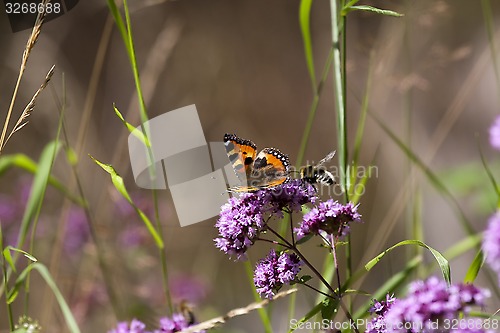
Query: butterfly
(267, 169)
(315, 174)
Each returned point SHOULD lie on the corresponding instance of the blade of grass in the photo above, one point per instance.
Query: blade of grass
(68, 316)
(24, 162)
(38, 188)
(392, 284)
(304, 19)
(441, 260)
(339, 94)
(5, 259)
(417, 229)
(433, 179)
(126, 32)
(314, 311)
(117, 181)
(474, 267)
(50, 162)
(463, 246)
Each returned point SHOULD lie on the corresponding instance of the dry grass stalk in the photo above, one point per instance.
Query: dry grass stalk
(21, 122)
(35, 32)
(234, 313)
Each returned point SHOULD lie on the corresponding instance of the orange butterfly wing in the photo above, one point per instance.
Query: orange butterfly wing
(241, 154)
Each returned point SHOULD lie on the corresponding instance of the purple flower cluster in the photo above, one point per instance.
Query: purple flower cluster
(167, 325)
(289, 196)
(331, 217)
(427, 303)
(491, 243)
(272, 272)
(243, 218)
(377, 324)
(240, 223)
(495, 134)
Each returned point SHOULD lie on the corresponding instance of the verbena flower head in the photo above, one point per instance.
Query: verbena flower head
(290, 196)
(272, 272)
(429, 302)
(240, 223)
(491, 243)
(243, 218)
(331, 217)
(495, 134)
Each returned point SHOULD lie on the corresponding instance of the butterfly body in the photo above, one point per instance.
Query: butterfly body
(317, 174)
(268, 168)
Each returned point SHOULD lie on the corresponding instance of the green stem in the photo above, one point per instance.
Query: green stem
(318, 275)
(5, 280)
(163, 258)
(129, 42)
(339, 95)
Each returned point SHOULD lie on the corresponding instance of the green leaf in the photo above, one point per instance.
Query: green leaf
(71, 156)
(38, 188)
(305, 278)
(68, 316)
(12, 296)
(118, 20)
(315, 310)
(441, 260)
(366, 8)
(131, 128)
(328, 307)
(304, 239)
(304, 19)
(474, 267)
(463, 246)
(26, 254)
(117, 181)
(25, 163)
(393, 283)
(478, 314)
(490, 176)
(8, 257)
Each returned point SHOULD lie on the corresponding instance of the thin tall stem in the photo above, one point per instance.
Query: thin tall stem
(319, 276)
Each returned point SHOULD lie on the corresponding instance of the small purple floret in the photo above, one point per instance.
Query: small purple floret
(331, 217)
(272, 272)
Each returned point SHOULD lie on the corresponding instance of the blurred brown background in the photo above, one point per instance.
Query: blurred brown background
(242, 63)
